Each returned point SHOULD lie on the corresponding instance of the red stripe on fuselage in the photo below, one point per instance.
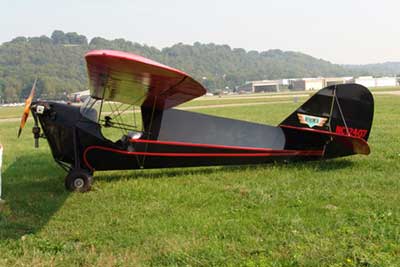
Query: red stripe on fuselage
(175, 143)
(324, 132)
(277, 153)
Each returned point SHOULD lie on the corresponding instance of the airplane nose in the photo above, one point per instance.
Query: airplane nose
(39, 108)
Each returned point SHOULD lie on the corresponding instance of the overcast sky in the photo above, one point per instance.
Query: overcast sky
(341, 31)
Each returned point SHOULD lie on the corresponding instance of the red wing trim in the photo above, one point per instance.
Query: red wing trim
(132, 57)
(281, 153)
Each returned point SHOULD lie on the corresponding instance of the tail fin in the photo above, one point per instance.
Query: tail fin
(344, 110)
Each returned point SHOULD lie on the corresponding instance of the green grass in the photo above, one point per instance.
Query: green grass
(342, 212)
(239, 100)
(385, 88)
(16, 112)
(10, 112)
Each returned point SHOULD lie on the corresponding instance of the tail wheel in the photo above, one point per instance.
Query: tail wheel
(78, 180)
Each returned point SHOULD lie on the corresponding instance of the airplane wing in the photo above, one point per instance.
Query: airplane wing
(132, 79)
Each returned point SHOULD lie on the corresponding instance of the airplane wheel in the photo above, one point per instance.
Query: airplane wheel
(78, 180)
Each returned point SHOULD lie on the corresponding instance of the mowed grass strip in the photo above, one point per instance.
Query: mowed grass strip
(341, 212)
(16, 112)
(258, 98)
(10, 112)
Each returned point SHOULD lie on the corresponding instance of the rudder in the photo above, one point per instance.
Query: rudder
(336, 119)
(345, 109)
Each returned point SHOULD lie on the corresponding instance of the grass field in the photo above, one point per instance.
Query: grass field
(15, 112)
(342, 212)
(385, 88)
(12, 112)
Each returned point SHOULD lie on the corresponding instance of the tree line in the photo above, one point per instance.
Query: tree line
(58, 63)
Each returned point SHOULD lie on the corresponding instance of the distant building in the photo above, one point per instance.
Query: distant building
(367, 81)
(261, 86)
(307, 84)
(386, 81)
(338, 80)
(297, 84)
(314, 83)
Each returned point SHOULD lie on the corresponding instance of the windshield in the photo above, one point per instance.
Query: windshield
(116, 119)
(91, 109)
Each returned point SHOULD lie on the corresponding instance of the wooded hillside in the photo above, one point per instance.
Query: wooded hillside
(58, 62)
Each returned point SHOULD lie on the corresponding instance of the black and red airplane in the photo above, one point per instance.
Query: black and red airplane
(336, 121)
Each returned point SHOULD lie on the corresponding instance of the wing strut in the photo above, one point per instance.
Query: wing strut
(150, 128)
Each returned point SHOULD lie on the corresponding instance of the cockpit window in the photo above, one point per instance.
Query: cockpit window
(91, 109)
(117, 120)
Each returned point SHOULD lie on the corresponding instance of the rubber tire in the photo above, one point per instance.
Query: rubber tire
(78, 180)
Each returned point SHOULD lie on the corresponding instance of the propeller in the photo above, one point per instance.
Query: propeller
(27, 108)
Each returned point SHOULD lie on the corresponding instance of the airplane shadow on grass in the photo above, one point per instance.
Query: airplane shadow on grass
(34, 190)
(321, 166)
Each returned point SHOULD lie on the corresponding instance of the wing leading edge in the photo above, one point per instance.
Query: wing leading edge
(132, 79)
